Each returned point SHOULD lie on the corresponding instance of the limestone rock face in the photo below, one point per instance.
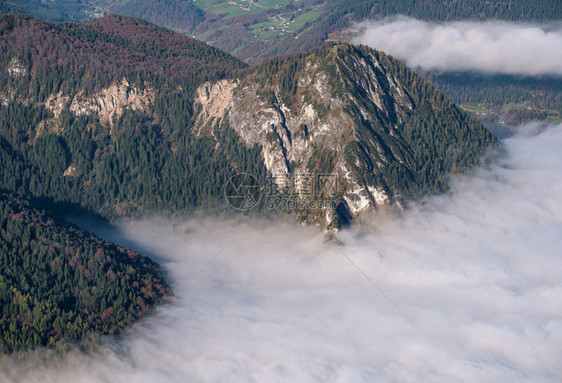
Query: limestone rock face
(16, 68)
(112, 101)
(342, 129)
(341, 110)
(108, 103)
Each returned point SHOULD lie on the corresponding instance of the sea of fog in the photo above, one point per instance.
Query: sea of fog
(484, 46)
(464, 287)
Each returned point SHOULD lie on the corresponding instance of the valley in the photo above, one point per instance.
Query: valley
(280, 191)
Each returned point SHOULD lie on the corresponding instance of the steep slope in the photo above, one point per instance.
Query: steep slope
(99, 116)
(257, 29)
(383, 132)
(181, 15)
(72, 57)
(59, 284)
(117, 117)
(58, 10)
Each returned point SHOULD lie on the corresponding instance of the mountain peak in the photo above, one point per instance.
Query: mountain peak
(339, 129)
(383, 133)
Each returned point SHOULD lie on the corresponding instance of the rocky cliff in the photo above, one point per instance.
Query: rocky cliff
(106, 104)
(381, 131)
(119, 116)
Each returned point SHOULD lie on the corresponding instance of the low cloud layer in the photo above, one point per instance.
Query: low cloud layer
(493, 46)
(478, 272)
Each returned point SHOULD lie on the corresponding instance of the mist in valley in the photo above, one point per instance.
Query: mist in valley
(460, 287)
(482, 46)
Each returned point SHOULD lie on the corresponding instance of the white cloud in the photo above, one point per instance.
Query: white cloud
(477, 271)
(492, 46)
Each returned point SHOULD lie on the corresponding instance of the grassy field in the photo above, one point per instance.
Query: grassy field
(554, 120)
(506, 108)
(529, 113)
(234, 8)
(475, 108)
(553, 117)
(301, 20)
(272, 3)
(282, 24)
(267, 34)
(203, 36)
(235, 51)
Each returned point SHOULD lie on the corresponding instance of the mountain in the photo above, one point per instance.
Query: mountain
(98, 115)
(255, 30)
(385, 133)
(182, 15)
(121, 117)
(60, 284)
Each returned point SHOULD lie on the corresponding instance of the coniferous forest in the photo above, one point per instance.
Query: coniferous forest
(60, 284)
(235, 33)
(59, 150)
(233, 190)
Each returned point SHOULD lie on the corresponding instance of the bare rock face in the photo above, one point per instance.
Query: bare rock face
(108, 103)
(340, 110)
(56, 103)
(16, 68)
(292, 132)
(215, 99)
(112, 101)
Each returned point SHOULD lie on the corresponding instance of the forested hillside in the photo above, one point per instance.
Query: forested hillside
(59, 10)
(514, 98)
(86, 57)
(119, 117)
(255, 30)
(180, 15)
(388, 134)
(141, 157)
(59, 284)
(106, 117)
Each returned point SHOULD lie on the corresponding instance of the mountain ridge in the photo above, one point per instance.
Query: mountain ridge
(254, 31)
(339, 108)
(81, 127)
(351, 111)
